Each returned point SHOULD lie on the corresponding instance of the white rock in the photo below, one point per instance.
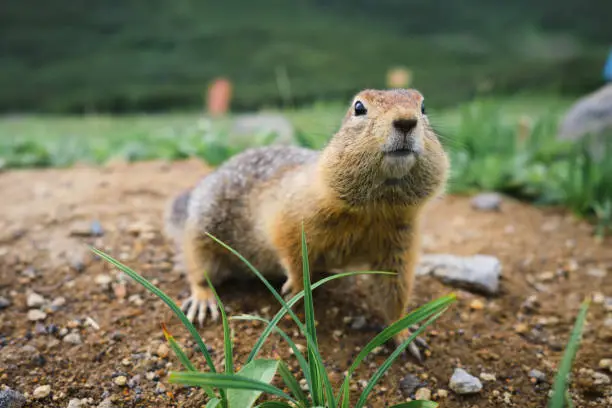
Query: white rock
(75, 403)
(35, 315)
(107, 403)
(11, 399)
(486, 202)
(479, 272)
(488, 377)
(423, 394)
(73, 338)
(35, 300)
(601, 379)
(103, 280)
(463, 383)
(41, 392)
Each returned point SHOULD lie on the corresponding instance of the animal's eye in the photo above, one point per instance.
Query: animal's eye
(423, 107)
(360, 109)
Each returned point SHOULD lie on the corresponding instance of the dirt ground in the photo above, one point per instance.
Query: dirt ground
(100, 327)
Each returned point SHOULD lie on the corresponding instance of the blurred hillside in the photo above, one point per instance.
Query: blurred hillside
(66, 56)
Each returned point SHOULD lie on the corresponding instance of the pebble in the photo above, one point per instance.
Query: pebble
(35, 300)
(462, 382)
(488, 377)
(441, 393)
(73, 338)
(601, 379)
(409, 384)
(537, 375)
(423, 394)
(107, 403)
(486, 202)
(120, 380)
(479, 273)
(304, 384)
(136, 299)
(58, 302)
(160, 388)
(35, 315)
(86, 229)
(608, 322)
(477, 304)
(11, 399)
(608, 304)
(358, 323)
(103, 280)
(597, 272)
(75, 403)
(163, 350)
(41, 392)
(606, 363)
(4, 303)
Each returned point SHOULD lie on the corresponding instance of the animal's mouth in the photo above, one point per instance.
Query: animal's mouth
(400, 152)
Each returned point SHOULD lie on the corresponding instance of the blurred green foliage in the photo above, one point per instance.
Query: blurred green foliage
(505, 145)
(120, 56)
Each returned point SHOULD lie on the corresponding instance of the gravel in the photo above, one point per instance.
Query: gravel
(41, 392)
(73, 338)
(409, 384)
(4, 303)
(537, 375)
(35, 315)
(35, 300)
(486, 202)
(11, 399)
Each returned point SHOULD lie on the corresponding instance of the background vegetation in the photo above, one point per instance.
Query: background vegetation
(106, 55)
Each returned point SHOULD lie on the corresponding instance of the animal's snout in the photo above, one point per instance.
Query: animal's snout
(405, 125)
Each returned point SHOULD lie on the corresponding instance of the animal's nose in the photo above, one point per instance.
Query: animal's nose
(405, 125)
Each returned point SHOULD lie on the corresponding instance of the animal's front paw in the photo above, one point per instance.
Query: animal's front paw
(291, 288)
(199, 304)
(415, 345)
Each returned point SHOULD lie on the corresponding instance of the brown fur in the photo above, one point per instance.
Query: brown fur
(357, 205)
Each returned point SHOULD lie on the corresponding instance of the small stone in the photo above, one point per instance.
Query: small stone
(134, 381)
(304, 384)
(477, 304)
(35, 315)
(163, 350)
(598, 298)
(96, 228)
(107, 403)
(86, 229)
(4, 303)
(41, 392)
(423, 394)
(479, 273)
(58, 302)
(120, 380)
(608, 322)
(486, 202)
(441, 393)
(488, 377)
(126, 362)
(521, 328)
(136, 299)
(358, 323)
(597, 272)
(462, 382)
(159, 388)
(73, 338)
(409, 384)
(600, 379)
(608, 304)
(75, 403)
(537, 375)
(103, 280)
(11, 399)
(35, 300)
(606, 363)
(546, 276)
(151, 376)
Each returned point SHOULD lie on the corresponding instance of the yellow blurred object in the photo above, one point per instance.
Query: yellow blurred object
(399, 77)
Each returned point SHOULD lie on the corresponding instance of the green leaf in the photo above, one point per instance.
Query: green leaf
(288, 378)
(560, 384)
(416, 404)
(409, 320)
(183, 357)
(385, 366)
(292, 383)
(227, 335)
(274, 404)
(213, 403)
(259, 370)
(229, 381)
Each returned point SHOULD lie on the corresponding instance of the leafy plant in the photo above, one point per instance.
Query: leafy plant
(243, 388)
(560, 397)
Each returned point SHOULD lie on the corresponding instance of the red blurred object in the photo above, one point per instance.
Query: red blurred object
(219, 97)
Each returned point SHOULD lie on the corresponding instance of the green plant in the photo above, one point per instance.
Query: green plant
(560, 397)
(246, 385)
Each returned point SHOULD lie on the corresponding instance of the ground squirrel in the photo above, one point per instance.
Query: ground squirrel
(360, 200)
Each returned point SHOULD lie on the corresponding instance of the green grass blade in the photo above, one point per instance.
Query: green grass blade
(385, 366)
(299, 356)
(412, 318)
(416, 404)
(560, 384)
(223, 381)
(262, 370)
(166, 299)
(227, 335)
(291, 383)
(182, 357)
(281, 313)
(213, 403)
(274, 404)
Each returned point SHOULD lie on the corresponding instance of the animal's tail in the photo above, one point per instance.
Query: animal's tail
(176, 214)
